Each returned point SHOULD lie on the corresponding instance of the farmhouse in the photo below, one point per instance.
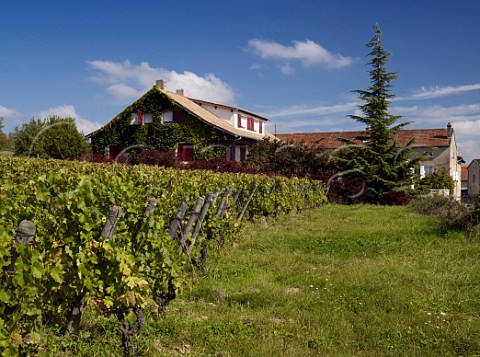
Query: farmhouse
(474, 178)
(192, 128)
(441, 143)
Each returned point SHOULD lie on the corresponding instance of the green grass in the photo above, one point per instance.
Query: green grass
(334, 281)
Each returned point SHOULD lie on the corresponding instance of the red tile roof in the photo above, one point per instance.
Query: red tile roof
(333, 140)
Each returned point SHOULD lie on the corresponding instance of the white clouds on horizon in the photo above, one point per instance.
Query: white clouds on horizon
(307, 52)
(297, 110)
(8, 112)
(441, 91)
(126, 81)
(84, 126)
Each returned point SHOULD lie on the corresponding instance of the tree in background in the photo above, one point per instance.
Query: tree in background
(274, 156)
(3, 137)
(439, 179)
(54, 137)
(5, 143)
(382, 162)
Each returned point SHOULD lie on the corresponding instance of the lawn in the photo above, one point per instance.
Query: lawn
(333, 281)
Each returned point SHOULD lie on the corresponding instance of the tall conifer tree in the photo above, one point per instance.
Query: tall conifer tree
(383, 163)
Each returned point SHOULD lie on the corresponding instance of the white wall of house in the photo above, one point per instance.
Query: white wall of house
(473, 179)
(446, 156)
(226, 114)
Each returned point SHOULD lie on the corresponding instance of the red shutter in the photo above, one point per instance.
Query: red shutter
(178, 116)
(185, 152)
(250, 124)
(140, 117)
(260, 127)
(239, 121)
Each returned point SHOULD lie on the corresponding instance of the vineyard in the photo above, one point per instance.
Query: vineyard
(116, 237)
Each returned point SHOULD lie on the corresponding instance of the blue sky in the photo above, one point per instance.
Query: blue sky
(296, 62)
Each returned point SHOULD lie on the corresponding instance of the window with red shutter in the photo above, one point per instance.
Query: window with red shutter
(140, 117)
(260, 127)
(239, 121)
(250, 124)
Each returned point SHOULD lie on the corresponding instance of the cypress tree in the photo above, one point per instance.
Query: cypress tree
(382, 162)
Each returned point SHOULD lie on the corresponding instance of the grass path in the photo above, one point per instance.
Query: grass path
(334, 281)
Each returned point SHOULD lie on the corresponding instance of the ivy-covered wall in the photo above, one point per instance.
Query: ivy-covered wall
(209, 142)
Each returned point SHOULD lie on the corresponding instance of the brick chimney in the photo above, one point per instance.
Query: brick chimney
(161, 83)
(181, 92)
(449, 130)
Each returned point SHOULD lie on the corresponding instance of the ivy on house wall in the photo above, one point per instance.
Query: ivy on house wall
(209, 142)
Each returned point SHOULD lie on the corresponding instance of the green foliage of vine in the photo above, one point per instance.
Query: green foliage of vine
(70, 261)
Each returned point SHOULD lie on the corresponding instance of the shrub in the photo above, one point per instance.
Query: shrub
(346, 190)
(160, 158)
(220, 164)
(430, 205)
(398, 198)
(439, 179)
(452, 214)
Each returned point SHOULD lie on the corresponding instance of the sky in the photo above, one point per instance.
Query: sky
(295, 62)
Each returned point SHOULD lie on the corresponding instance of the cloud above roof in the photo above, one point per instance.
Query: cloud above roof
(307, 52)
(126, 81)
(84, 126)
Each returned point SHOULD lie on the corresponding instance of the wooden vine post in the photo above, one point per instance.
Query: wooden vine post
(240, 216)
(223, 203)
(203, 213)
(24, 235)
(177, 220)
(191, 221)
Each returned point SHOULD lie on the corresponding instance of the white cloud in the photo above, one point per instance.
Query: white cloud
(297, 110)
(8, 112)
(286, 69)
(465, 119)
(127, 81)
(439, 91)
(308, 52)
(84, 126)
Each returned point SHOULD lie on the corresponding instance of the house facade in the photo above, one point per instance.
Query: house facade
(474, 178)
(440, 142)
(194, 129)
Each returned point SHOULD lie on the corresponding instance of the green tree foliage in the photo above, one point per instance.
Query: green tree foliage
(439, 179)
(382, 161)
(54, 137)
(4, 140)
(268, 156)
